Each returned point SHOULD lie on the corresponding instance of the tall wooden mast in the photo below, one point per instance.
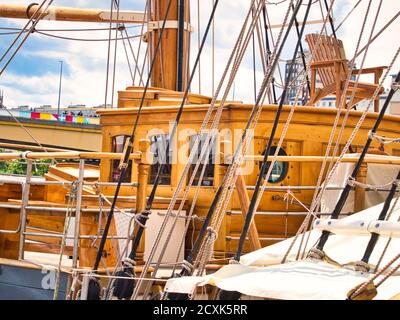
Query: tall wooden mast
(172, 63)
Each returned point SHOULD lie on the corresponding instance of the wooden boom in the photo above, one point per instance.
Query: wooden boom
(71, 14)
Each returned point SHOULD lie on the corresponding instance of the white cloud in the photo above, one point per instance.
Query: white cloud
(86, 62)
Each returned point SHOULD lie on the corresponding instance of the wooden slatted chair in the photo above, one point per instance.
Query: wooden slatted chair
(329, 60)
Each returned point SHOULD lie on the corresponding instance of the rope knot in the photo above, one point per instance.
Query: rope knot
(213, 234)
(74, 188)
(129, 263)
(187, 266)
(371, 134)
(316, 254)
(351, 182)
(121, 27)
(141, 218)
(362, 266)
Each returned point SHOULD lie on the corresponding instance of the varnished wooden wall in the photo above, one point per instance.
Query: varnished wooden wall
(308, 135)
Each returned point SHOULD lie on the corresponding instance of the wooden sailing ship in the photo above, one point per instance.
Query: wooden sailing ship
(33, 213)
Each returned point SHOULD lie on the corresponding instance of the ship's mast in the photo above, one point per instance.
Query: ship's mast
(172, 63)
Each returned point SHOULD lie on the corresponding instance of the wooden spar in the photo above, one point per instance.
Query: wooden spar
(276, 26)
(138, 155)
(71, 14)
(165, 73)
(17, 146)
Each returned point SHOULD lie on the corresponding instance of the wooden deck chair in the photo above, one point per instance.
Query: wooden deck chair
(329, 60)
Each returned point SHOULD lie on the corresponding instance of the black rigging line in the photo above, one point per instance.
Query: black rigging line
(382, 216)
(269, 52)
(181, 38)
(86, 39)
(124, 288)
(94, 286)
(330, 19)
(265, 164)
(70, 30)
(199, 240)
(345, 193)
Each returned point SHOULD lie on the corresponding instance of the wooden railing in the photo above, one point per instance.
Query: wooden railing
(142, 158)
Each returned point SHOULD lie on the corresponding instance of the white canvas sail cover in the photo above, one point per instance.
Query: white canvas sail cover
(261, 274)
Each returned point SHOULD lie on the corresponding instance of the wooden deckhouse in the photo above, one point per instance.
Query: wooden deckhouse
(308, 135)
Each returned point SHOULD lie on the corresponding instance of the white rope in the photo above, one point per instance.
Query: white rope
(239, 156)
(318, 195)
(381, 139)
(234, 60)
(354, 183)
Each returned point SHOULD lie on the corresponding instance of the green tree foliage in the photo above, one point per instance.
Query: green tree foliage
(39, 167)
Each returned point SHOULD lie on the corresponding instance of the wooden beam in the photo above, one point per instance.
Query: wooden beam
(244, 205)
(304, 159)
(47, 248)
(359, 192)
(17, 146)
(71, 14)
(275, 26)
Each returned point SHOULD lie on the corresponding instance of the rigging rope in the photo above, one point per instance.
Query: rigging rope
(22, 30)
(87, 39)
(317, 196)
(231, 175)
(346, 191)
(239, 56)
(108, 55)
(34, 21)
(117, 3)
(235, 57)
(382, 216)
(93, 285)
(390, 239)
(172, 136)
(348, 14)
(265, 164)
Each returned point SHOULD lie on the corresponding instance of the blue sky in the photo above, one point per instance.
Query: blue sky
(32, 77)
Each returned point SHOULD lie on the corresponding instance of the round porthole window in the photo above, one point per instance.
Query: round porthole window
(280, 169)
